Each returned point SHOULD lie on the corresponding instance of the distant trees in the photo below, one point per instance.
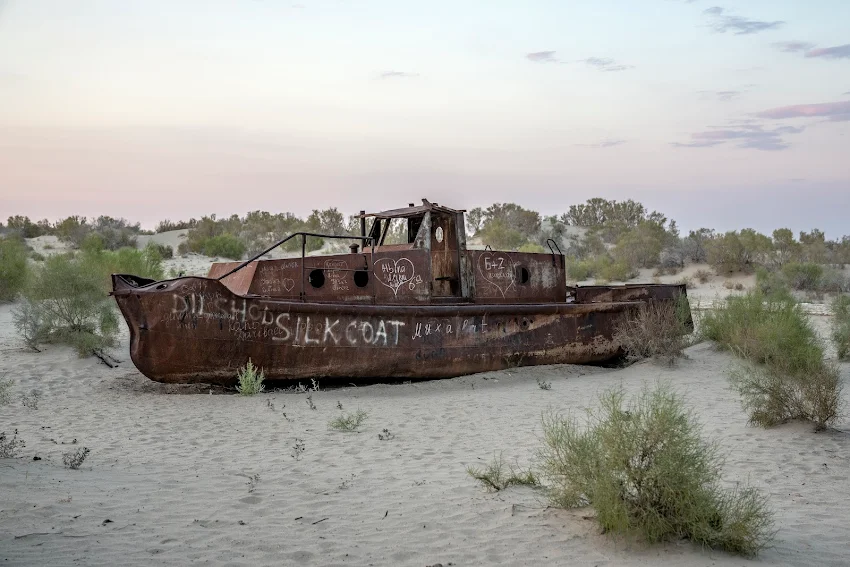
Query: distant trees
(506, 226)
(234, 236)
(610, 237)
(114, 233)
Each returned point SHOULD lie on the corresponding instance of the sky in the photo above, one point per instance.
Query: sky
(727, 115)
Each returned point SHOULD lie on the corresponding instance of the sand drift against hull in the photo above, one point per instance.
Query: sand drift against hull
(425, 308)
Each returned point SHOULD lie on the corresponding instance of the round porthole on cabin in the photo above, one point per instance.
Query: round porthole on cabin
(523, 275)
(316, 278)
(361, 278)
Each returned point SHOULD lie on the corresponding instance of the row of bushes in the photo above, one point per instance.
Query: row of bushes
(785, 375)
(803, 277)
(236, 236)
(113, 233)
(601, 268)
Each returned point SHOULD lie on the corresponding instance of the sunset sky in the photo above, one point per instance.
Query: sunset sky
(724, 115)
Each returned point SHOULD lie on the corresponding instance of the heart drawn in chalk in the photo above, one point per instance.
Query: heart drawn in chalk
(288, 284)
(393, 273)
(497, 269)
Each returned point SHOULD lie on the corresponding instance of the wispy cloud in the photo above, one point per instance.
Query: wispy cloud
(834, 111)
(397, 75)
(542, 57)
(601, 63)
(793, 46)
(722, 23)
(606, 64)
(750, 136)
(720, 95)
(609, 143)
(837, 52)
(810, 51)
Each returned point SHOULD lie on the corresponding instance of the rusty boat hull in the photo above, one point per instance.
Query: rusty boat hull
(196, 330)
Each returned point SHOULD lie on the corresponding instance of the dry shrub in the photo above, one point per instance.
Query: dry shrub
(646, 470)
(771, 397)
(6, 391)
(9, 446)
(656, 329)
(74, 459)
(702, 275)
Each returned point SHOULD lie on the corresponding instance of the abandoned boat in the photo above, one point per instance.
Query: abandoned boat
(425, 308)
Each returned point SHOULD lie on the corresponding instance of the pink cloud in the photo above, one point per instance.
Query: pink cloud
(837, 111)
(837, 52)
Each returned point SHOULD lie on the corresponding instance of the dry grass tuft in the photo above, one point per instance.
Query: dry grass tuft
(496, 476)
(349, 422)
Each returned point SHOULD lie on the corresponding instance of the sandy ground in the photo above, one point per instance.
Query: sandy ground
(167, 479)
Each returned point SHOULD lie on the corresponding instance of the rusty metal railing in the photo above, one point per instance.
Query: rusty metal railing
(303, 236)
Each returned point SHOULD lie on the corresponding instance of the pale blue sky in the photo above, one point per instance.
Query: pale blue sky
(725, 114)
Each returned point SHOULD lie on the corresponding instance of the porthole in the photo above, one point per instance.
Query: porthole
(361, 278)
(316, 278)
(523, 275)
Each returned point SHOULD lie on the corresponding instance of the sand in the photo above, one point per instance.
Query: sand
(167, 481)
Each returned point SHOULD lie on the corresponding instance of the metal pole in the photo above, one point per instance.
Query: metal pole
(303, 250)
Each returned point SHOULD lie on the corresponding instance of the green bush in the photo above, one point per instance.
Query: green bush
(579, 270)
(770, 330)
(601, 268)
(145, 263)
(13, 268)
(66, 303)
(655, 330)
(841, 326)
(805, 277)
(614, 271)
(770, 283)
(646, 470)
(531, 247)
(250, 380)
(163, 251)
(641, 246)
(224, 245)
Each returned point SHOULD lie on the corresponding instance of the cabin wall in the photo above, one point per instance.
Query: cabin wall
(401, 277)
(388, 277)
(517, 277)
